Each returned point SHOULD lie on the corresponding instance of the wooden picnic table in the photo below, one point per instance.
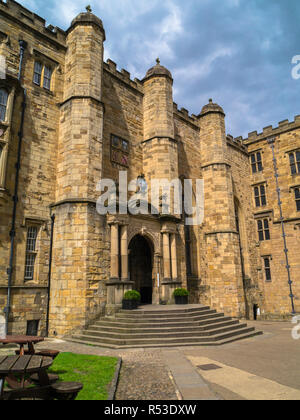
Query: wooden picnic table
(20, 367)
(22, 340)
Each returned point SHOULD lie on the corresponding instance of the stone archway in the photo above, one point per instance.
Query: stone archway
(141, 259)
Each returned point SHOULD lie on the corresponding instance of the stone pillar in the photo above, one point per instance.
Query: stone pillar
(170, 281)
(166, 256)
(124, 253)
(118, 284)
(174, 257)
(114, 253)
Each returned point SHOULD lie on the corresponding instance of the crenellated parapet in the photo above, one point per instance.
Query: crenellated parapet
(236, 143)
(123, 76)
(33, 22)
(183, 115)
(269, 131)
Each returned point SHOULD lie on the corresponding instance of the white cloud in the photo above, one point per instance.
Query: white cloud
(203, 68)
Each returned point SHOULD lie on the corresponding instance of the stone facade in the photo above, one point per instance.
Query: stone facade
(69, 131)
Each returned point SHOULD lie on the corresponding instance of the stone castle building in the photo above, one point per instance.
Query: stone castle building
(67, 120)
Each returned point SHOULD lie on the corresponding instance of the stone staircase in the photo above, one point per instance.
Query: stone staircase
(168, 326)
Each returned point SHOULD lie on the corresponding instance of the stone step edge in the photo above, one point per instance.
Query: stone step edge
(207, 321)
(164, 314)
(213, 338)
(165, 319)
(162, 329)
(168, 333)
(169, 311)
(150, 346)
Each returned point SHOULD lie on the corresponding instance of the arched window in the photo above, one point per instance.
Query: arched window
(3, 104)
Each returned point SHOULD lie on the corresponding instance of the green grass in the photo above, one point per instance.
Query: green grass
(94, 372)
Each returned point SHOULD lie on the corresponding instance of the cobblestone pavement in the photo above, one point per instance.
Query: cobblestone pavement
(143, 374)
(271, 361)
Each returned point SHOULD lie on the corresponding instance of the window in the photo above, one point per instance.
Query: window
(263, 230)
(31, 253)
(119, 151)
(267, 264)
(42, 75)
(260, 196)
(37, 77)
(256, 162)
(3, 103)
(297, 197)
(295, 162)
(47, 77)
(32, 328)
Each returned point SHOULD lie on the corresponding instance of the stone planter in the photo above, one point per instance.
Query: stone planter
(181, 300)
(130, 304)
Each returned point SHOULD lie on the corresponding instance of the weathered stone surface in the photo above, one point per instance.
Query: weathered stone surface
(66, 151)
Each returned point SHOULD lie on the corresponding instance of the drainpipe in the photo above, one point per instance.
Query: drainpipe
(12, 234)
(49, 272)
(271, 142)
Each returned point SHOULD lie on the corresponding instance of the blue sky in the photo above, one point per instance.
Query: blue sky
(238, 52)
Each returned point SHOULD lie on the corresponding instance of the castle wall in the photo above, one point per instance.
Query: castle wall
(276, 293)
(38, 158)
(67, 149)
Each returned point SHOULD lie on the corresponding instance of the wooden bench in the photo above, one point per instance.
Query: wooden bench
(66, 391)
(48, 353)
(51, 376)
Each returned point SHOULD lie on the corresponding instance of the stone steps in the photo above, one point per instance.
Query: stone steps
(187, 326)
(160, 334)
(146, 328)
(112, 322)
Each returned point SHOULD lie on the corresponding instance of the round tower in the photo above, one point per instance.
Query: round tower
(160, 149)
(79, 169)
(160, 162)
(224, 271)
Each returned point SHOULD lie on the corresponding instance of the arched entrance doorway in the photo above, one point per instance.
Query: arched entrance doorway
(141, 267)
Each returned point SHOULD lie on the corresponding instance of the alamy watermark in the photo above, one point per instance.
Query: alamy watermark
(296, 69)
(160, 197)
(2, 67)
(296, 329)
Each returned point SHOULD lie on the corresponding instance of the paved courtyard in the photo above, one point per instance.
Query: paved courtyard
(263, 367)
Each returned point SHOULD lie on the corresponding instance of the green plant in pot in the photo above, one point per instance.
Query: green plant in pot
(131, 300)
(181, 296)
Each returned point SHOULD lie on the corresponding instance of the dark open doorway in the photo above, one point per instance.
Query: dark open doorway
(140, 266)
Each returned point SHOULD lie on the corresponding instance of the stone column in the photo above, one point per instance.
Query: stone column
(124, 253)
(166, 256)
(114, 253)
(174, 257)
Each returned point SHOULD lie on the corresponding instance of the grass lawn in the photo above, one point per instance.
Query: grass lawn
(94, 372)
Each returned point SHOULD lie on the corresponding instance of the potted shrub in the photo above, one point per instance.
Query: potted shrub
(131, 300)
(181, 296)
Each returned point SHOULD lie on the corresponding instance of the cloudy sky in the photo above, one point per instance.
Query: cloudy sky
(238, 52)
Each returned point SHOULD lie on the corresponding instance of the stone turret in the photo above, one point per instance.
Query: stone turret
(160, 149)
(158, 103)
(224, 274)
(160, 162)
(82, 109)
(79, 169)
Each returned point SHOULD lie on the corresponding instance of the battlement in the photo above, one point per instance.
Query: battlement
(32, 21)
(184, 115)
(237, 143)
(123, 75)
(270, 131)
